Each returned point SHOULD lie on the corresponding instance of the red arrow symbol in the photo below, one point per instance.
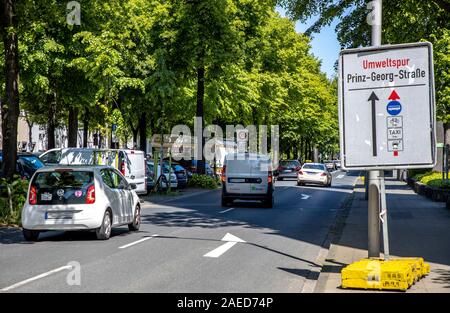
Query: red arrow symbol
(394, 96)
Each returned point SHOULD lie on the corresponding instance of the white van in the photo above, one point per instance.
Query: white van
(131, 163)
(247, 177)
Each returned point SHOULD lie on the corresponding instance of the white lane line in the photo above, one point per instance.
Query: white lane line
(137, 241)
(59, 269)
(225, 211)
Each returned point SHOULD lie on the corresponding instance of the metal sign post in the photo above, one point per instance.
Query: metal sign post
(374, 176)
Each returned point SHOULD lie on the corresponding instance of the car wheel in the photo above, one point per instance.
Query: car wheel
(30, 235)
(104, 231)
(280, 178)
(136, 220)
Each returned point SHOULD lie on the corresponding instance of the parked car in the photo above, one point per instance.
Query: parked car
(247, 177)
(181, 173)
(330, 165)
(191, 167)
(164, 176)
(51, 157)
(26, 164)
(288, 169)
(314, 173)
(131, 163)
(338, 164)
(79, 198)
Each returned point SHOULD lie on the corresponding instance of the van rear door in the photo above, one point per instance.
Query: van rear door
(238, 175)
(259, 174)
(135, 170)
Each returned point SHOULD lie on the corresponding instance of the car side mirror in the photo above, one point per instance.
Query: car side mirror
(133, 186)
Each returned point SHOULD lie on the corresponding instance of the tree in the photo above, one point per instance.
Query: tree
(429, 20)
(10, 104)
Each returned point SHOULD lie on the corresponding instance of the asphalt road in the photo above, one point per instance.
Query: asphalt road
(180, 249)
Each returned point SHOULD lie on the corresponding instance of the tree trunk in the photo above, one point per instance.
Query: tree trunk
(143, 132)
(85, 127)
(30, 135)
(73, 127)
(51, 123)
(447, 133)
(201, 168)
(135, 134)
(10, 106)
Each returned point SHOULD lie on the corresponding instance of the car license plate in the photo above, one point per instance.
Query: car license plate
(287, 171)
(46, 196)
(237, 180)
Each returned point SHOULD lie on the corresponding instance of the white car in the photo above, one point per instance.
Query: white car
(247, 177)
(79, 198)
(131, 163)
(314, 173)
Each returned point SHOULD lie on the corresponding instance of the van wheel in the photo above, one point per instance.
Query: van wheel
(136, 220)
(30, 235)
(104, 231)
(268, 203)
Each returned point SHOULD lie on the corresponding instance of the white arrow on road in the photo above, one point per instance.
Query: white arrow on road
(305, 197)
(340, 176)
(230, 239)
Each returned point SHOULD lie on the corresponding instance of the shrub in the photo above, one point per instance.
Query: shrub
(12, 199)
(204, 181)
(433, 179)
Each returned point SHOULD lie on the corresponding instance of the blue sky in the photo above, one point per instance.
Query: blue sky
(325, 45)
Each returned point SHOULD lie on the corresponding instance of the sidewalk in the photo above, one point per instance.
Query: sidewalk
(175, 195)
(418, 227)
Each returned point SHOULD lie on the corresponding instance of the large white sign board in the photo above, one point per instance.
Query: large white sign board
(387, 107)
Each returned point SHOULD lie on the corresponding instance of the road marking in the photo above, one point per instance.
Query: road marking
(137, 241)
(231, 241)
(225, 211)
(340, 176)
(305, 197)
(59, 269)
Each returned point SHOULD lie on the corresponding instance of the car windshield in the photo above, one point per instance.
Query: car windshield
(319, 167)
(289, 163)
(64, 179)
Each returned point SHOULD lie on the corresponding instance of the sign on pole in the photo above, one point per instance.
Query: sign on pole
(387, 107)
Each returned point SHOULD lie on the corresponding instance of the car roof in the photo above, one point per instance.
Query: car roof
(73, 167)
(313, 163)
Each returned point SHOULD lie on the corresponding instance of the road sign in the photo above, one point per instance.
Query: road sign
(387, 107)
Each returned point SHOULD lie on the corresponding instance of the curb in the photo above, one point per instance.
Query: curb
(333, 235)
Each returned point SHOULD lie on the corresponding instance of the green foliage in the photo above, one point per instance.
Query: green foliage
(430, 21)
(12, 199)
(203, 181)
(431, 178)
